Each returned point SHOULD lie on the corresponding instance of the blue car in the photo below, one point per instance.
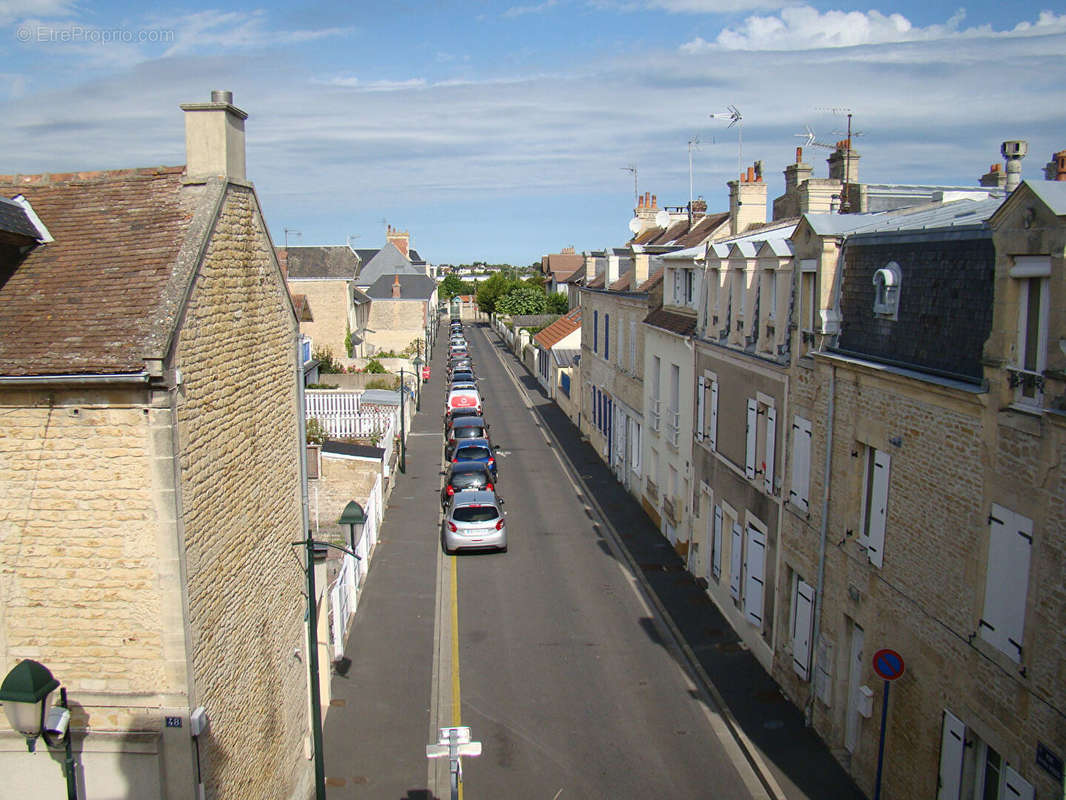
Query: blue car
(475, 450)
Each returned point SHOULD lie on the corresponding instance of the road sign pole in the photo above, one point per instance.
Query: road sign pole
(881, 743)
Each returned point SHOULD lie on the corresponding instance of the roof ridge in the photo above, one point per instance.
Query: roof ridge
(97, 176)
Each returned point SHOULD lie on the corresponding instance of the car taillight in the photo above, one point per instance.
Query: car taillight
(451, 527)
(451, 491)
(489, 488)
(492, 462)
(499, 525)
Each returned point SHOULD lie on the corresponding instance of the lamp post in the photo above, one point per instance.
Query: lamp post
(310, 547)
(24, 694)
(403, 426)
(418, 362)
(355, 518)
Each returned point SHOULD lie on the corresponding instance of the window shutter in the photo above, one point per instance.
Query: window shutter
(735, 562)
(878, 507)
(618, 349)
(712, 434)
(802, 629)
(633, 346)
(753, 423)
(755, 568)
(716, 547)
(771, 434)
(801, 464)
(701, 388)
(1016, 787)
(595, 331)
(1010, 542)
(952, 751)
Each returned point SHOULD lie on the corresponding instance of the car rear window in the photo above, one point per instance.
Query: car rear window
(466, 480)
(475, 514)
(468, 432)
(474, 453)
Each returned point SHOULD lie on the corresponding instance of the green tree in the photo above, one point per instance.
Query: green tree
(374, 366)
(449, 287)
(326, 362)
(558, 303)
(489, 291)
(523, 299)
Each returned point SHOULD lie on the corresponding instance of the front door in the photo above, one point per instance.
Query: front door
(851, 730)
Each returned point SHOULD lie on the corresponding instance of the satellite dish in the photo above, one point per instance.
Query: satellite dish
(634, 224)
(662, 219)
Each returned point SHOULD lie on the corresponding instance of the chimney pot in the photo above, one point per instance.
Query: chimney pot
(799, 155)
(1060, 165)
(221, 96)
(654, 201)
(751, 175)
(396, 287)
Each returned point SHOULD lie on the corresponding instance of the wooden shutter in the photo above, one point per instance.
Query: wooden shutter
(771, 433)
(716, 547)
(752, 430)
(801, 464)
(1010, 542)
(712, 434)
(1015, 787)
(802, 629)
(755, 569)
(735, 562)
(878, 510)
(952, 750)
(701, 407)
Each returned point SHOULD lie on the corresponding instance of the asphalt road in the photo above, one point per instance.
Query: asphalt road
(568, 679)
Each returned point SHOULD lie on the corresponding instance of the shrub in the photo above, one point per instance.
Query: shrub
(316, 433)
(326, 362)
(375, 367)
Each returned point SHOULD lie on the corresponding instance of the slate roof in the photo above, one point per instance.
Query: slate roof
(681, 324)
(1053, 193)
(565, 357)
(387, 261)
(533, 320)
(356, 450)
(323, 261)
(560, 329)
(412, 287)
(15, 221)
(95, 300)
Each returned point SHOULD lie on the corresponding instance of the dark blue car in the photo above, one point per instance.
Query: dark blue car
(475, 450)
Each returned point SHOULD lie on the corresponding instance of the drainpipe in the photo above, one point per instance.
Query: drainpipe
(808, 712)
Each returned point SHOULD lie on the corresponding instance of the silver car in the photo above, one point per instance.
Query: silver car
(474, 520)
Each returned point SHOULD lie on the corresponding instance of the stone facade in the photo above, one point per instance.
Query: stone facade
(395, 324)
(329, 304)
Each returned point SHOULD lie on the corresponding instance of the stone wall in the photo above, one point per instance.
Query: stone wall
(395, 324)
(240, 498)
(328, 301)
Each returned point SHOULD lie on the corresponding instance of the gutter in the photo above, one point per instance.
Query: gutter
(38, 380)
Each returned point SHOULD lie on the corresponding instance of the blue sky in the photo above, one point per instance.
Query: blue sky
(499, 131)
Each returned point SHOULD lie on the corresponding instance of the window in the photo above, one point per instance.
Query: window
(690, 286)
(634, 445)
(707, 410)
(1027, 375)
(678, 288)
(716, 544)
(656, 403)
(618, 348)
(606, 336)
(971, 769)
(1010, 544)
(754, 574)
(633, 346)
(802, 626)
(736, 554)
(595, 331)
(673, 422)
(564, 383)
(761, 440)
(886, 290)
(799, 492)
(874, 504)
(808, 301)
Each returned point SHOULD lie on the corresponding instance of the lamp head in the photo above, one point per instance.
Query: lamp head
(24, 694)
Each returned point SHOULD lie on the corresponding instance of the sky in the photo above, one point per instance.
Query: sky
(502, 131)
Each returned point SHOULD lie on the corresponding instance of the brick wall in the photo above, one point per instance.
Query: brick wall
(240, 487)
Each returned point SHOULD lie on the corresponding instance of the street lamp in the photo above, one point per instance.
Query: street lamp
(25, 695)
(403, 426)
(355, 518)
(418, 362)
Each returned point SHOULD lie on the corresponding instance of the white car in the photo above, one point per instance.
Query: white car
(475, 520)
(463, 398)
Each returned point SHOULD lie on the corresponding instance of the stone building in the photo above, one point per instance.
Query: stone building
(402, 310)
(150, 469)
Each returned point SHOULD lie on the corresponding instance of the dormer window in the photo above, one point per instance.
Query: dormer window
(886, 290)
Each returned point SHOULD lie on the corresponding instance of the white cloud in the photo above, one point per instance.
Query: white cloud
(521, 11)
(712, 6)
(11, 10)
(235, 30)
(351, 82)
(806, 28)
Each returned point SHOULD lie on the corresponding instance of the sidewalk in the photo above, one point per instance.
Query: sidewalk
(798, 760)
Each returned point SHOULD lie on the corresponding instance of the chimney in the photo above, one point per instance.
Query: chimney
(1014, 151)
(402, 240)
(1056, 167)
(747, 202)
(396, 288)
(214, 139)
(995, 178)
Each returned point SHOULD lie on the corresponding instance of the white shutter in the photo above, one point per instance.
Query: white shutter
(735, 562)
(878, 507)
(801, 464)
(771, 433)
(633, 346)
(1010, 542)
(1015, 787)
(701, 388)
(755, 568)
(752, 430)
(716, 547)
(952, 750)
(618, 345)
(712, 434)
(802, 628)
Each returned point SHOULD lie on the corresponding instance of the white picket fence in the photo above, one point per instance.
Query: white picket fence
(345, 590)
(344, 415)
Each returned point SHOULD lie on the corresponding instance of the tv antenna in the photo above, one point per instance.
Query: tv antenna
(735, 118)
(291, 230)
(632, 168)
(812, 139)
(351, 237)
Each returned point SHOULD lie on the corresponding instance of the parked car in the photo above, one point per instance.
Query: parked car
(463, 398)
(461, 365)
(464, 476)
(475, 520)
(463, 375)
(464, 428)
(479, 450)
(453, 414)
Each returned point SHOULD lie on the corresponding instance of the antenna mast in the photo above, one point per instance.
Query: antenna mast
(735, 117)
(693, 144)
(632, 168)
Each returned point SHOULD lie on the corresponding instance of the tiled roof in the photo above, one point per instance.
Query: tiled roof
(678, 233)
(681, 324)
(559, 330)
(562, 265)
(303, 308)
(328, 261)
(412, 287)
(597, 282)
(92, 301)
(622, 284)
(655, 279)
